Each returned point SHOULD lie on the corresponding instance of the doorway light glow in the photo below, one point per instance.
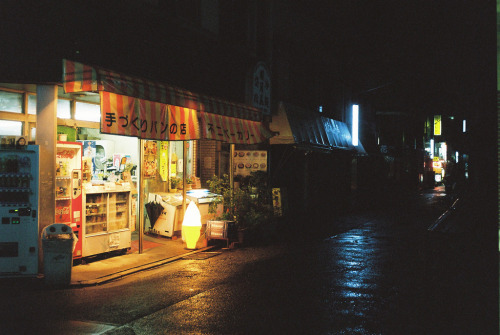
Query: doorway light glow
(444, 151)
(355, 125)
(464, 126)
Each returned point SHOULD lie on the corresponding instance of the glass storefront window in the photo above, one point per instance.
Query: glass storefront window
(165, 160)
(63, 109)
(87, 112)
(175, 153)
(190, 164)
(11, 102)
(176, 156)
(31, 104)
(11, 128)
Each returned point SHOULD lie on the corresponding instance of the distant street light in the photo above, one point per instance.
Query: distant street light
(432, 148)
(355, 125)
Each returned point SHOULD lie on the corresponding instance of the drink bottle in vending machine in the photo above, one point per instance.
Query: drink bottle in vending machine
(19, 203)
(69, 189)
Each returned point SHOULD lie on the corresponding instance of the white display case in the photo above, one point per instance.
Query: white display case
(107, 216)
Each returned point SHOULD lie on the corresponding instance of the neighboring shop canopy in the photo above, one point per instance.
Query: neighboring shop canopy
(151, 110)
(304, 129)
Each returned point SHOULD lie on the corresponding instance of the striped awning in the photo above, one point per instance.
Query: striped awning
(124, 115)
(78, 77)
(232, 130)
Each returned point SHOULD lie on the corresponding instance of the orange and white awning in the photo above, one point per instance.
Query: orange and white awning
(232, 130)
(124, 115)
(78, 77)
(137, 107)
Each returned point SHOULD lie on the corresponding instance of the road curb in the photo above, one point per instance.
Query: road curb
(136, 269)
(441, 223)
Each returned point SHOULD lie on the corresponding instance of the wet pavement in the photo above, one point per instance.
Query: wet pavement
(379, 272)
(382, 272)
(157, 251)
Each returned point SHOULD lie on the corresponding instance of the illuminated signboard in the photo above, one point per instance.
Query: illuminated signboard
(437, 125)
(437, 166)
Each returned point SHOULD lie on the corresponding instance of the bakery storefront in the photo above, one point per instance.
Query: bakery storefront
(134, 142)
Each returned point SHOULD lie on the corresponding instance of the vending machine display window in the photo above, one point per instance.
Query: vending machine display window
(68, 190)
(19, 171)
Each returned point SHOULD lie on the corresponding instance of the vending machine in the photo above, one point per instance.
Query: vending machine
(69, 189)
(19, 166)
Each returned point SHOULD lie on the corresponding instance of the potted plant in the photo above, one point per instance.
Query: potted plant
(249, 206)
(255, 210)
(222, 223)
(174, 183)
(189, 183)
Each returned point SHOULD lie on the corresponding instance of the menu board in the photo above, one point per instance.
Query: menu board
(246, 161)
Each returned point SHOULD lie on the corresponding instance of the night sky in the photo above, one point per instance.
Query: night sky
(427, 56)
(436, 56)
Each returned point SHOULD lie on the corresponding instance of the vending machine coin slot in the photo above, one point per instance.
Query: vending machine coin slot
(77, 184)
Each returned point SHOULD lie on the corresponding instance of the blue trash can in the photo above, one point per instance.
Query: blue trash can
(58, 242)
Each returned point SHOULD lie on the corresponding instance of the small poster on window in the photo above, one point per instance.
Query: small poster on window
(164, 160)
(149, 159)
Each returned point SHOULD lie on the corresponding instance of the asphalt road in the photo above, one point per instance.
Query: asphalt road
(381, 272)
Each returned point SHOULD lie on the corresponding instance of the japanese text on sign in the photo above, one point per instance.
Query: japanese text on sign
(225, 134)
(124, 115)
(143, 125)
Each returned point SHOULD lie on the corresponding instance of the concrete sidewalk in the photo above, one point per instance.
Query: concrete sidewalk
(157, 251)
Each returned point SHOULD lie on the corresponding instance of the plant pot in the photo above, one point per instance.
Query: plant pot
(241, 236)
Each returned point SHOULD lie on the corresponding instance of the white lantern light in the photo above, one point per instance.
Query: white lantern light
(191, 225)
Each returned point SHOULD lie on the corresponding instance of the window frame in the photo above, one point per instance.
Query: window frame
(29, 121)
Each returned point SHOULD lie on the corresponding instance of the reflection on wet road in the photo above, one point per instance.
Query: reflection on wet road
(391, 276)
(353, 275)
